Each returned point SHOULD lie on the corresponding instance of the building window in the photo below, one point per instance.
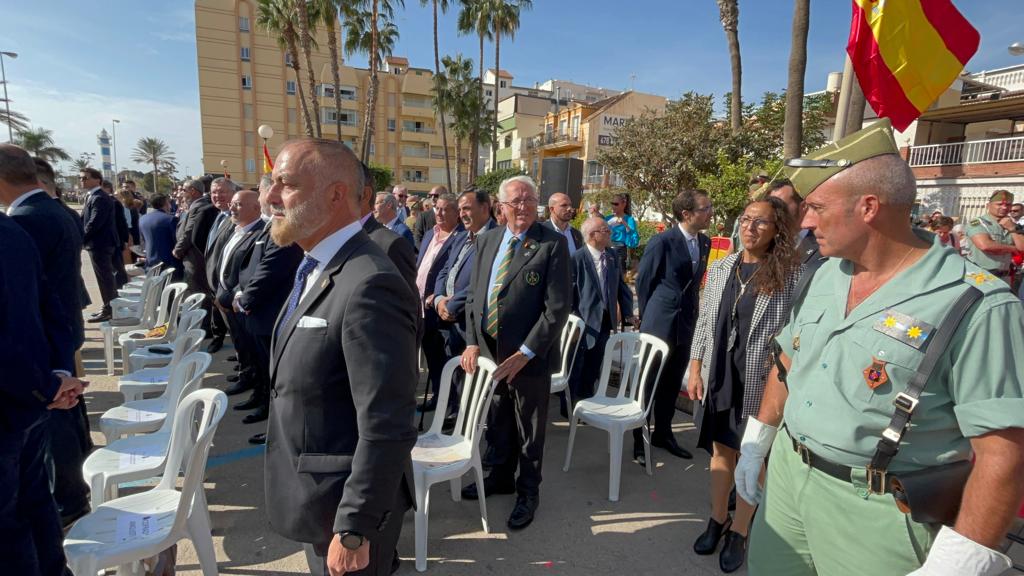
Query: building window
(415, 150)
(243, 23)
(250, 165)
(331, 115)
(575, 126)
(247, 111)
(246, 82)
(348, 92)
(534, 172)
(488, 92)
(414, 126)
(504, 164)
(289, 87)
(250, 139)
(245, 53)
(508, 141)
(287, 59)
(413, 175)
(416, 101)
(503, 84)
(391, 124)
(563, 127)
(291, 115)
(373, 149)
(325, 90)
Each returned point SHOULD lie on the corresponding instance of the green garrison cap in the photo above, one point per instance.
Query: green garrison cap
(811, 171)
(1001, 196)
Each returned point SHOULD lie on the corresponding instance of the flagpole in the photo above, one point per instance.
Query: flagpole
(843, 107)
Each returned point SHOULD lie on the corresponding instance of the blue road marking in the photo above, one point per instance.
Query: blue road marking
(212, 462)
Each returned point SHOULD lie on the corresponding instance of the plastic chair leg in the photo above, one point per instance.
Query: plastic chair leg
(647, 450)
(479, 470)
(614, 463)
(108, 349)
(97, 489)
(83, 565)
(199, 533)
(422, 510)
(572, 439)
(456, 488)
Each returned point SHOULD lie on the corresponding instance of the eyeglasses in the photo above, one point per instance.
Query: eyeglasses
(435, 196)
(704, 209)
(756, 223)
(522, 203)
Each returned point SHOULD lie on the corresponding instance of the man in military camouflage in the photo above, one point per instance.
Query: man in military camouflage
(855, 339)
(995, 236)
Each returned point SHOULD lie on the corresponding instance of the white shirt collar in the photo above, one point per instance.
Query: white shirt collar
(20, 199)
(247, 227)
(689, 237)
(594, 252)
(93, 190)
(393, 222)
(325, 250)
(562, 230)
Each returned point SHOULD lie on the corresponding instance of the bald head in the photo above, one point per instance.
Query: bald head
(596, 232)
(888, 177)
(561, 209)
(245, 207)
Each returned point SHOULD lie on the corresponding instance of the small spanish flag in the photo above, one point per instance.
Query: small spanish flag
(906, 53)
(268, 164)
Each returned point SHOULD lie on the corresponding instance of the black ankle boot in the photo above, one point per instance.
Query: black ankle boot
(734, 552)
(708, 541)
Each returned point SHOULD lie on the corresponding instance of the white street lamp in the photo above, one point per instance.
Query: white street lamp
(1016, 49)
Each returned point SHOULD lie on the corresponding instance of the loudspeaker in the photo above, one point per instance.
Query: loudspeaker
(561, 175)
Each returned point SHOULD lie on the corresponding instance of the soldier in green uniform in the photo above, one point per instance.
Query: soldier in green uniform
(854, 341)
(995, 236)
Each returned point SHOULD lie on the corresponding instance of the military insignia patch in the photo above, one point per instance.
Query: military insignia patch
(533, 278)
(875, 374)
(974, 222)
(796, 342)
(980, 277)
(904, 328)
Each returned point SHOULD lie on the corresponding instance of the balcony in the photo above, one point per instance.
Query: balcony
(992, 157)
(554, 141)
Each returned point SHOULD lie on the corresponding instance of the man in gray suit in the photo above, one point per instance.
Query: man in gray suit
(518, 302)
(340, 432)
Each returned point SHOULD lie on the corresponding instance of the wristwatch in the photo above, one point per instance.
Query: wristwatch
(351, 540)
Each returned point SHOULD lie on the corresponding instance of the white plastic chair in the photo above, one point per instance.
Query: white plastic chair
(438, 456)
(131, 341)
(147, 415)
(139, 353)
(142, 456)
(626, 410)
(138, 383)
(572, 335)
(161, 516)
(133, 289)
(134, 305)
(157, 313)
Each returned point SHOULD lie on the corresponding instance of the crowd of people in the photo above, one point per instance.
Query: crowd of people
(813, 341)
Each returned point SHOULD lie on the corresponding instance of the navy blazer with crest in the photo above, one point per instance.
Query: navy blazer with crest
(668, 287)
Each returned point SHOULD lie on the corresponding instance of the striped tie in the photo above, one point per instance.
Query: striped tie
(499, 280)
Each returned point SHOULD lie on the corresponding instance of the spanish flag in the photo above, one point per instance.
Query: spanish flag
(906, 53)
(268, 164)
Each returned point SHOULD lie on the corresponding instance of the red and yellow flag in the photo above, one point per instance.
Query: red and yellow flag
(906, 53)
(268, 164)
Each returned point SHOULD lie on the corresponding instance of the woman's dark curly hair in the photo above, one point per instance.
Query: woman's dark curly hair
(781, 257)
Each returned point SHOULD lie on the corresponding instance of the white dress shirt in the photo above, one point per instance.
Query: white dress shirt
(236, 238)
(567, 232)
(325, 251)
(595, 255)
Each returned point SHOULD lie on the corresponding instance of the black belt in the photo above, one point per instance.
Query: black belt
(837, 471)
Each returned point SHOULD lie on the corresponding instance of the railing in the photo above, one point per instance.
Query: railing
(1011, 80)
(975, 152)
(548, 139)
(423, 130)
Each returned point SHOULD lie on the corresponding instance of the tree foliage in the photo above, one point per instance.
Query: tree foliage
(382, 176)
(490, 181)
(39, 142)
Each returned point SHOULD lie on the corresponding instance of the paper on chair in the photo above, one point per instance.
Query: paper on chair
(134, 527)
(142, 455)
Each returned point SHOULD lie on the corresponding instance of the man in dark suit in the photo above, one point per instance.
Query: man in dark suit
(561, 213)
(121, 223)
(518, 302)
(340, 433)
(402, 254)
(192, 234)
(668, 287)
(59, 245)
(36, 352)
(157, 227)
(264, 280)
(100, 239)
(600, 298)
(221, 191)
(385, 210)
(452, 285)
(433, 255)
(807, 244)
(242, 232)
(427, 219)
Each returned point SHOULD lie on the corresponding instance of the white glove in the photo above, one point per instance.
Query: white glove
(757, 440)
(956, 555)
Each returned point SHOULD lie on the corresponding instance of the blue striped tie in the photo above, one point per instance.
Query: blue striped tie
(308, 265)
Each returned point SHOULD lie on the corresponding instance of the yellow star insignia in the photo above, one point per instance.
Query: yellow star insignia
(890, 322)
(981, 277)
(914, 332)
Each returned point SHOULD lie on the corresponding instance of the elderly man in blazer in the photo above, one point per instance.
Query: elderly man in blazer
(668, 287)
(518, 302)
(222, 190)
(600, 298)
(402, 254)
(341, 430)
(193, 233)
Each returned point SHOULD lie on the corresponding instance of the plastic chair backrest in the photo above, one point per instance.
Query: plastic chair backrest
(184, 379)
(192, 453)
(190, 319)
(637, 353)
(188, 305)
(170, 301)
(151, 298)
(572, 334)
(477, 389)
(186, 343)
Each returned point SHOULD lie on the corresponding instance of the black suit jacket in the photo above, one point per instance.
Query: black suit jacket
(341, 426)
(57, 238)
(191, 242)
(577, 236)
(591, 298)
(34, 335)
(121, 223)
(457, 299)
(534, 300)
(402, 254)
(808, 247)
(424, 221)
(228, 276)
(440, 260)
(216, 240)
(265, 279)
(668, 288)
(99, 226)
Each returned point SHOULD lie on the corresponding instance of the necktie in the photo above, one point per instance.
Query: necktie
(449, 285)
(602, 275)
(308, 265)
(215, 230)
(499, 280)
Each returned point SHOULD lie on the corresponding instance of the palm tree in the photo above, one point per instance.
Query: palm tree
(17, 120)
(39, 142)
(792, 131)
(278, 18)
(328, 11)
(457, 90)
(156, 152)
(82, 162)
(473, 19)
(365, 34)
(504, 16)
(443, 5)
(729, 12)
(307, 19)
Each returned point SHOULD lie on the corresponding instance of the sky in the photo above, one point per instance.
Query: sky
(82, 64)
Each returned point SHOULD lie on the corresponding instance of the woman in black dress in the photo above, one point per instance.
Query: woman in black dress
(744, 305)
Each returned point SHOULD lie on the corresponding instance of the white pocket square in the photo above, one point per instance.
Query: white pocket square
(311, 322)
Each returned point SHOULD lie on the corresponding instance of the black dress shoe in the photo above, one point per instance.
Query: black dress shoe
(708, 541)
(251, 404)
(734, 552)
(522, 514)
(259, 415)
(638, 454)
(396, 562)
(232, 378)
(260, 438)
(215, 345)
(491, 487)
(100, 317)
(232, 358)
(670, 445)
(237, 388)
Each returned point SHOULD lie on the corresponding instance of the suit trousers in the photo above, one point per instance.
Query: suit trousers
(436, 353)
(242, 340)
(667, 391)
(30, 533)
(382, 551)
(587, 368)
(68, 446)
(103, 268)
(120, 272)
(260, 361)
(214, 323)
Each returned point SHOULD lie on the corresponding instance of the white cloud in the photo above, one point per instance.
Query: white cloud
(77, 117)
